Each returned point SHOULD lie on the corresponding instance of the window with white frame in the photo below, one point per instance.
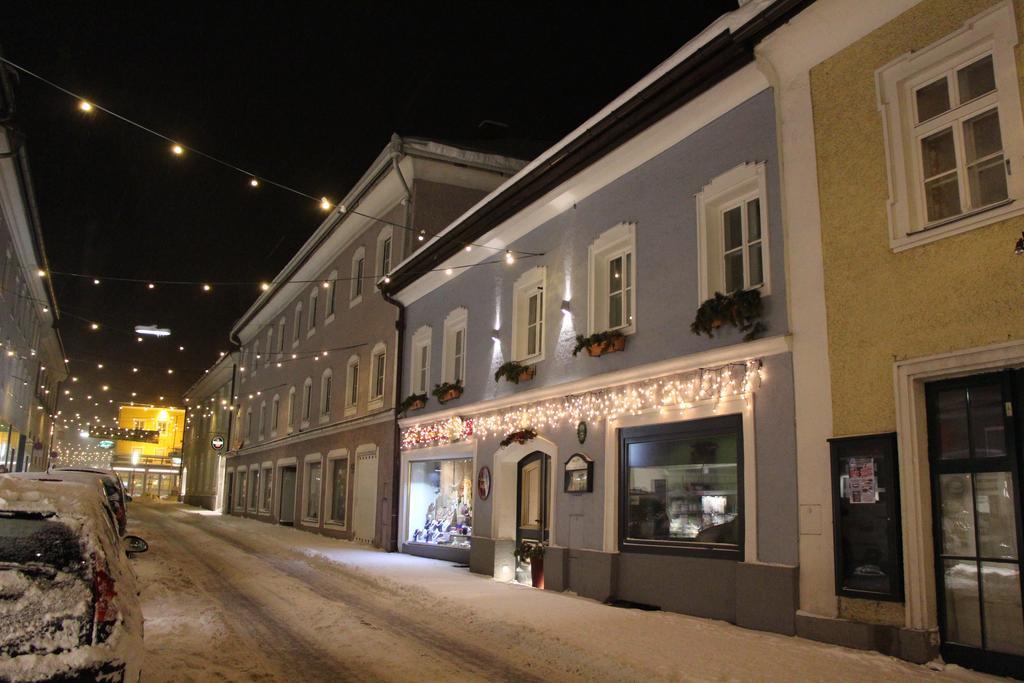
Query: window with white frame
(528, 316)
(263, 420)
(325, 395)
(314, 295)
(270, 344)
(453, 360)
(248, 424)
(313, 485)
(332, 287)
(267, 479)
(254, 487)
(384, 243)
(338, 473)
(275, 412)
(307, 400)
(952, 117)
(378, 360)
(358, 271)
(612, 275)
(297, 328)
(421, 360)
(280, 335)
(732, 231)
(291, 409)
(352, 385)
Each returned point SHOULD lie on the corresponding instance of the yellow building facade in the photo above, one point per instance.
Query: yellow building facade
(907, 296)
(150, 467)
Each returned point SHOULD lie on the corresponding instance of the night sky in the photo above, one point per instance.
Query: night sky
(304, 93)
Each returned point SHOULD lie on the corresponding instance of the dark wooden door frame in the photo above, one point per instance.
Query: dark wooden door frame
(545, 479)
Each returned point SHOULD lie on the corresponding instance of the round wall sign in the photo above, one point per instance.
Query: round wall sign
(217, 442)
(483, 482)
(581, 431)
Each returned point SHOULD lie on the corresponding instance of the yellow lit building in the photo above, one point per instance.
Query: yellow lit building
(147, 454)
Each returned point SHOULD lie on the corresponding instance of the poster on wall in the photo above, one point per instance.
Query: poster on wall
(861, 483)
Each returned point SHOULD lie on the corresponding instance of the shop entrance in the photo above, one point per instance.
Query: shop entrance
(532, 499)
(286, 494)
(974, 448)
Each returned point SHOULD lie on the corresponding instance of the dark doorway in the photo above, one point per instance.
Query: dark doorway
(532, 498)
(974, 452)
(286, 515)
(229, 492)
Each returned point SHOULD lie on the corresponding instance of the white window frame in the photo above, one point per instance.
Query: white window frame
(307, 402)
(297, 325)
(378, 365)
(420, 363)
(270, 345)
(282, 325)
(333, 457)
(614, 242)
(266, 470)
(332, 301)
(384, 265)
(358, 274)
(275, 415)
(291, 410)
(314, 300)
(263, 421)
(307, 462)
(255, 357)
(991, 32)
(250, 504)
(326, 386)
(736, 187)
(249, 436)
(531, 283)
(456, 321)
(352, 380)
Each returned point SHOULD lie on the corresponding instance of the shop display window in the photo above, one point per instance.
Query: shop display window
(683, 491)
(441, 502)
(313, 470)
(339, 489)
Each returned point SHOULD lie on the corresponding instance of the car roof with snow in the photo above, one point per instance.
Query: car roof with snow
(78, 503)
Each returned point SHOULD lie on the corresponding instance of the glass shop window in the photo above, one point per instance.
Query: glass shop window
(441, 502)
(683, 490)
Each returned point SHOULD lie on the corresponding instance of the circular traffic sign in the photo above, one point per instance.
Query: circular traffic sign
(217, 442)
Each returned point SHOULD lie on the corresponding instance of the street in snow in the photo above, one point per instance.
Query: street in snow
(233, 599)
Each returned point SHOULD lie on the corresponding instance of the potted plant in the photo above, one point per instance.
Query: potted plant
(412, 402)
(447, 391)
(600, 343)
(742, 309)
(520, 437)
(515, 372)
(532, 553)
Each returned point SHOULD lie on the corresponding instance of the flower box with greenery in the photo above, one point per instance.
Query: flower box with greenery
(515, 372)
(600, 343)
(519, 437)
(742, 309)
(532, 553)
(447, 391)
(412, 402)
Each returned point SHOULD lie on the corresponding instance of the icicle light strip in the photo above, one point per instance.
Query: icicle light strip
(678, 391)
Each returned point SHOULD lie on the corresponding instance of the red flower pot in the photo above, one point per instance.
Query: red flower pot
(537, 572)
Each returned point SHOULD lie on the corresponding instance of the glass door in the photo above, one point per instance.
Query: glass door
(975, 471)
(531, 499)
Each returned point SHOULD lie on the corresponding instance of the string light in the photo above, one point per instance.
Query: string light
(85, 105)
(254, 182)
(325, 204)
(206, 288)
(94, 326)
(680, 391)
(41, 273)
(151, 286)
(177, 149)
(264, 286)
(509, 258)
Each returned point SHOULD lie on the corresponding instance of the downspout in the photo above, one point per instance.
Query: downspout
(396, 473)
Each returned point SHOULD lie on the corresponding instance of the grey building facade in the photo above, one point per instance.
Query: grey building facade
(662, 469)
(208, 410)
(312, 441)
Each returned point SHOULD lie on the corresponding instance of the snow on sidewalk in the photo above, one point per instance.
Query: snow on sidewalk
(571, 637)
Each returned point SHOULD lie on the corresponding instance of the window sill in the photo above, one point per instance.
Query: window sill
(375, 403)
(295, 343)
(355, 302)
(978, 218)
(351, 410)
(708, 552)
(329, 319)
(305, 424)
(310, 332)
(310, 521)
(324, 419)
(336, 526)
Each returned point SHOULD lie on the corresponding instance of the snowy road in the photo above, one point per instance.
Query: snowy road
(229, 599)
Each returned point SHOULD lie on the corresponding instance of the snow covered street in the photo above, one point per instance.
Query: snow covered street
(237, 600)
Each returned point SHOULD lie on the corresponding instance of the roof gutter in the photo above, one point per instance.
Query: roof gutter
(720, 57)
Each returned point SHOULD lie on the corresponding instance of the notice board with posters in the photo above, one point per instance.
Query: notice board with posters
(866, 514)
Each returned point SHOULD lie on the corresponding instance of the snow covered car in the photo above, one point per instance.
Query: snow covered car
(107, 489)
(69, 607)
(118, 497)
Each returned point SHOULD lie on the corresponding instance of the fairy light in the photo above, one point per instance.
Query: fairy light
(253, 182)
(85, 105)
(206, 287)
(177, 149)
(509, 258)
(325, 204)
(682, 391)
